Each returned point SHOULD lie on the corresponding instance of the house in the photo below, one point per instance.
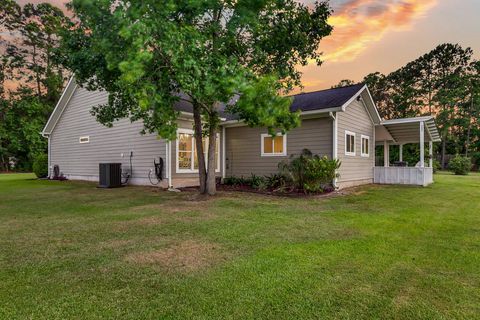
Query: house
(341, 123)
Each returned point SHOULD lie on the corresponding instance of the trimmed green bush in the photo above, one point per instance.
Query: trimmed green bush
(40, 165)
(460, 165)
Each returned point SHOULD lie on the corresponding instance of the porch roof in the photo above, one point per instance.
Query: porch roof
(406, 130)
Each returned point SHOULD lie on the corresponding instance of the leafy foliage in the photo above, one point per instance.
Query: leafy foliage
(444, 83)
(150, 54)
(460, 165)
(436, 166)
(476, 160)
(30, 69)
(40, 165)
(310, 173)
(344, 83)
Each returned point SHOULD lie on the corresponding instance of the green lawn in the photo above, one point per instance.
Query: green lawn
(69, 250)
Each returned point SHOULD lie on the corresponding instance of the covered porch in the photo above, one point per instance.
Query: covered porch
(398, 132)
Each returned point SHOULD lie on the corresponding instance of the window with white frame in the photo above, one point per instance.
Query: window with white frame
(365, 146)
(186, 152)
(349, 143)
(273, 146)
(84, 139)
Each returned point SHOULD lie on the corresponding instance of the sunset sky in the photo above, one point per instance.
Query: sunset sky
(382, 35)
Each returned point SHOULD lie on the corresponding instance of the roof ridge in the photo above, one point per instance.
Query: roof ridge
(323, 90)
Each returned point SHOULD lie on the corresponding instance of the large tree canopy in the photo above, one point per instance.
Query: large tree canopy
(31, 78)
(445, 83)
(239, 54)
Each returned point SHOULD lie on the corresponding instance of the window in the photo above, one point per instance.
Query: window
(186, 152)
(85, 139)
(365, 146)
(349, 143)
(273, 146)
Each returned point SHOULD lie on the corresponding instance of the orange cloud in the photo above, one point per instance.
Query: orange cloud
(358, 23)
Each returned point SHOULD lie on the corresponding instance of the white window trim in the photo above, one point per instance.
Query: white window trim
(192, 170)
(347, 133)
(361, 146)
(87, 138)
(263, 154)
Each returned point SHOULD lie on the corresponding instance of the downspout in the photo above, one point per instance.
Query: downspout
(49, 157)
(47, 135)
(333, 115)
(224, 169)
(169, 166)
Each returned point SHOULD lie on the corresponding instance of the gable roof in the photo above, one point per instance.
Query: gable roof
(330, 100)
(60, 106)
(322, 101)
(325, 99)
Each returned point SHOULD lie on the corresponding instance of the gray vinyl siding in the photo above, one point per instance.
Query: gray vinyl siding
(355, 119)
(243, 144)
(106, 144)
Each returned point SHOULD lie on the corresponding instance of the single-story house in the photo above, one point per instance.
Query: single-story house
(341, 123)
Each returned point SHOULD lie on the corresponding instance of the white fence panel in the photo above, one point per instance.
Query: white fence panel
(403, 175)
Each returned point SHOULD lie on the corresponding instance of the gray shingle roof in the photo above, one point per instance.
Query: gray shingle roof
(324, 99)
(310, 101)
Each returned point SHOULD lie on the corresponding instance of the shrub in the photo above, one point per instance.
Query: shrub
(256, 182)
(436, 166)
(235, 181)
(276, 182)
(40, 165)
(310, 173)
(476, 160)
(460, 165)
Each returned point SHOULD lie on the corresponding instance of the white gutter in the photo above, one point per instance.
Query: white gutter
(303, 113)
(406, 120)
(58, 106)
(374, 104)
(334, 142)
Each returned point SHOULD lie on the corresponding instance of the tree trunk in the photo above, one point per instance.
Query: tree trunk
(37, 71)
(198, 130)
(444, 148)
(211, 179)
(469, 127)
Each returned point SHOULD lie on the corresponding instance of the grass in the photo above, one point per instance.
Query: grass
(69, 250)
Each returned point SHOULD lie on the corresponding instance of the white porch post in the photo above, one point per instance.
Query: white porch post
(400, 152)
(386, 154)
(430, 153)
(422, 145)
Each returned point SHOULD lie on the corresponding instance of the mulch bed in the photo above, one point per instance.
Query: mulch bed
(249, 189)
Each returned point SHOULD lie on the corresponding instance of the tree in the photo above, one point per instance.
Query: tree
(149, 54)
(344, 83)
(471, 106)
(442, 83)
(30, 38)
(450, 64)
(403, 92)
(378, 85)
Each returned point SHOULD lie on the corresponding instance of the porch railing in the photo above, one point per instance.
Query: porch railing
(403, 175)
